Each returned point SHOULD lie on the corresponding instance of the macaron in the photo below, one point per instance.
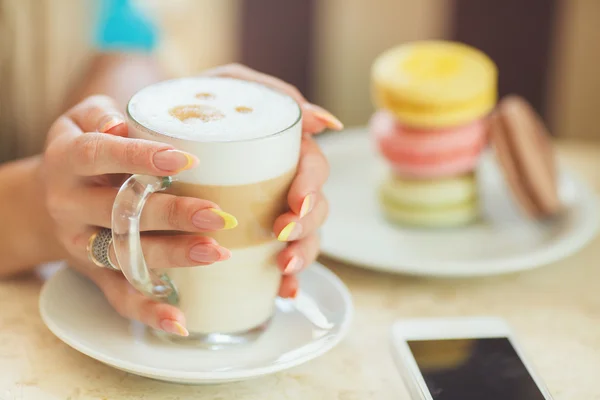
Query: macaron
(438, 203)
(428, 153)
(525, 154)
(434, 84)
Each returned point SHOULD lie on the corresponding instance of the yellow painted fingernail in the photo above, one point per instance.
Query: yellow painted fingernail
(307, 205)
(330, 120)
(325, 116)
(173, 161)
(174, 327)
(290, 232)
(180, 329)
(230, 221)
(190, 161)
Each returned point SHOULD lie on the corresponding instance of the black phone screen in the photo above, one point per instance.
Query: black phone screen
(473, 369)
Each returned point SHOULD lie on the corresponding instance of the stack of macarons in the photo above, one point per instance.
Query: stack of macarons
(433, 99)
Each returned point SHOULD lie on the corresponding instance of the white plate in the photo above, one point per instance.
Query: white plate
(502, 242)
(78, 314)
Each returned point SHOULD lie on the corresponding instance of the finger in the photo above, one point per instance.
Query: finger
(313, 171)
(243, 72)
(94, 114)
(99, 114)
(315, 118)
(165, 251)
(298, 255)
(180, 251)
(289, 226)
(131, 304)
(288, 287)
(97, 154)
(162, 212)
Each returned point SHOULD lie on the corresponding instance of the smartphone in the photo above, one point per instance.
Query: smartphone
(463, 359)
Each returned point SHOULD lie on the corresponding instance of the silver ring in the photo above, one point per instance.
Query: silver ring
(98, 249)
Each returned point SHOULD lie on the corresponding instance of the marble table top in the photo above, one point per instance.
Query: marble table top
(554, 310)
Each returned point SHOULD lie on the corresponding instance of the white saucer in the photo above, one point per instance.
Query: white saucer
(502, 242)
(78, 314)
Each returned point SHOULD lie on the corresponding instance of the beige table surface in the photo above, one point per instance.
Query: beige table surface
(555, 311)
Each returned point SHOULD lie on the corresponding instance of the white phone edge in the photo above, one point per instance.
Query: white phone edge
(448, 328)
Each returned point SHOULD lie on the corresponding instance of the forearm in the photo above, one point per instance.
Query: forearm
(27, 237)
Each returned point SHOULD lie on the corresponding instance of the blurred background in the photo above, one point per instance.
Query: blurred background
(546, 50)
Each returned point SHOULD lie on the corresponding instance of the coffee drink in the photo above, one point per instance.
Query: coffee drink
(247, 138)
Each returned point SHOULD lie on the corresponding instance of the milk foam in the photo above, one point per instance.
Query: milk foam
(271, 111)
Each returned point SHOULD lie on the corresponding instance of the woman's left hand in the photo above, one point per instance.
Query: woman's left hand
(308, 206)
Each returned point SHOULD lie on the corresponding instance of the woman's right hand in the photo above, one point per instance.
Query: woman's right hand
(87, 155)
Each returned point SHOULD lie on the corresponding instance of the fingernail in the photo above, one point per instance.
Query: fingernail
(307, 205)
(328, 118)
(294, 293)
(110, 123)
(174, 327)
(174, 160)
(294, 265)
(291, 232)
(214, 218)
(205, 253)
(225, 253)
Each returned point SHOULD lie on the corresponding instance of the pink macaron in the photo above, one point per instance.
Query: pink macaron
(420, 153)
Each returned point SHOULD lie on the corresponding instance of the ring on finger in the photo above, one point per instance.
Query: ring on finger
(98, 249)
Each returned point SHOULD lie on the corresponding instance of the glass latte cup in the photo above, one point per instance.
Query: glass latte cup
(247, 138)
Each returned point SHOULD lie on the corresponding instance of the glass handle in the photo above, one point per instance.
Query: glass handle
(126, 213)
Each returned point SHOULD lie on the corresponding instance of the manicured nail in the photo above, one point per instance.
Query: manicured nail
(110, 122)
(307, 205)
(205, 253)
(225, 253)
(291, 232)
(174, 327)
(174, 160)
(214, 219)
(328, 118)
(294, 265)
(218, 217)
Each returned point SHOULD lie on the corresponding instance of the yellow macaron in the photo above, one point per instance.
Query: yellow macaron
(439, 203)
(435, 84)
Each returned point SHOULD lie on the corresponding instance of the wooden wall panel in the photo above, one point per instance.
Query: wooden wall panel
(197, 34)
(517, 35)
(575, 79)
(547, 50)
(351, 33)
(276, 38)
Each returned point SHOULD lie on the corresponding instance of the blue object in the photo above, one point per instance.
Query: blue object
(122, 27)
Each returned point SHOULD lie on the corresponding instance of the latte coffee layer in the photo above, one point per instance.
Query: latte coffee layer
(255, 205)
(247, 138)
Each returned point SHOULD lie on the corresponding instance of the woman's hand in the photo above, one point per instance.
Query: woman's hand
(308, 206)
(308, 211)
(87, 155)
(87, 151)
